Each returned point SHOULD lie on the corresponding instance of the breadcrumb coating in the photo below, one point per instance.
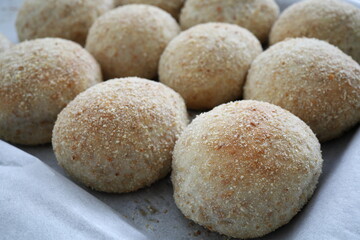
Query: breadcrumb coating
(68, 19)
(334, 21)
(245, 168)
(171, 6)
(312, 79)
(255, 15)
(38, 78)
(129, 40)
(118, 136)
(208, 63)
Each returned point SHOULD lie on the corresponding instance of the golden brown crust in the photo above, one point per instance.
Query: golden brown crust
(69, 19)
(129, 40)
(334, 21)
(312, 79)
(245, 168)
(255, 15)
(208, 63)
(38, 79)
(118, 136)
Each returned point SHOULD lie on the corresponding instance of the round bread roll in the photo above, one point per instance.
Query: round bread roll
(312, 79)
(4, 43)
(171, 6)
(255, 15)
(118, 136)
(336, 22)
(129, 40)
(207, 64)
(69, 19)
(38, 79)
(245, 168)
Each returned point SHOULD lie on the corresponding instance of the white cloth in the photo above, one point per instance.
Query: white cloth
(38, 203)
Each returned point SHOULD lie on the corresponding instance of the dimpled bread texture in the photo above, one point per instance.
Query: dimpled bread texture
(171, 6)
(245, 168)
(129, 40)
(336, 22)
(312, 79)
(4, 43)
(37, 79)
(207, 64)
(118, 136)
(69, 19)
(255, 15)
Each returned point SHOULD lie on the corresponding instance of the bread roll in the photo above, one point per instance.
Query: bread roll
(245, 168)
(255, 15)
(312, 79)
(129, 40)
(118, 136)
(334, 21)
(38, 78)
(208, 63)
(171, 6)
(69, 19)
